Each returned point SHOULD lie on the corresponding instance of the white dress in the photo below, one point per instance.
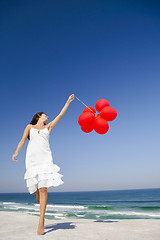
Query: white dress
(40, 169)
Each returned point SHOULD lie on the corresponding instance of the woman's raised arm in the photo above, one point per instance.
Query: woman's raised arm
(53, 123)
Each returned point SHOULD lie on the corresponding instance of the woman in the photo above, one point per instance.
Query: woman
(41, 172)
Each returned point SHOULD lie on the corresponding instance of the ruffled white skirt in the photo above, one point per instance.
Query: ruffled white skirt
(45, 175)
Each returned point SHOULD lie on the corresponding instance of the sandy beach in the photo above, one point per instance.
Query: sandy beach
(16, 225)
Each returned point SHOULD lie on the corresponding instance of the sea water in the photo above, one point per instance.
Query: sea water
(99, 205)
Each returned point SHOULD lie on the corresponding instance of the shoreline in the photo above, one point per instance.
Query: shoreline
(18, 225)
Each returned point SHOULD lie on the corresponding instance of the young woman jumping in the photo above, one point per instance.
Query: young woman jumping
(41, 172)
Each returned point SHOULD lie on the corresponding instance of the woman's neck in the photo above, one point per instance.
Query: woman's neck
(40, 125)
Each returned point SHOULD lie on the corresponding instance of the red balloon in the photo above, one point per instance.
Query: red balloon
(108, 113)
(90, 109)
(100, 104)
(98, 116)
(100, 125)
(87, 129)
(86, 119)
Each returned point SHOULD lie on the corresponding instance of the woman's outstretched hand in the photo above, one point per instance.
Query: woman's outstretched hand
(13, 157)
(71, 98)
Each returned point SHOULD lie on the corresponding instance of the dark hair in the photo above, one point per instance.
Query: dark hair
(35, 120)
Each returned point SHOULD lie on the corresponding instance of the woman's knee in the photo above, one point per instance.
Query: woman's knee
(43, 189)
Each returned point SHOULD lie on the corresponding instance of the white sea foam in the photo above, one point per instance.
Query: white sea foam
(8, 203)
(65, 206)
(19, 206)
(131, 213)
(60, 217)
(62, 210)
(56, 215)
(33, 213)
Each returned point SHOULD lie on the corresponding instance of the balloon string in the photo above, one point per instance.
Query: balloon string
(85, 104)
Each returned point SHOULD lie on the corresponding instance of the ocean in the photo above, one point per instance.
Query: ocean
(99, 205)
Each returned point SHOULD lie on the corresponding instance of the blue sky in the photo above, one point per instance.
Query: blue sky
(94, 49)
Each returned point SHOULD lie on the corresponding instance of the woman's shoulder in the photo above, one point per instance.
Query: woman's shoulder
(29, 126)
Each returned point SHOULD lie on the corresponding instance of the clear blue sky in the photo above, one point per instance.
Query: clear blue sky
(94, 49)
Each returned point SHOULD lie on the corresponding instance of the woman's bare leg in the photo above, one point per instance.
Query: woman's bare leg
(43, 203)
(37, 195)
(34, 192)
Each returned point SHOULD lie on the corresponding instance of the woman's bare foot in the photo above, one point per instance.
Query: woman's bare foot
(37, 196)
(40, 229)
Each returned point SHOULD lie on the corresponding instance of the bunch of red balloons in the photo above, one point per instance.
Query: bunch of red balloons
(88, 121)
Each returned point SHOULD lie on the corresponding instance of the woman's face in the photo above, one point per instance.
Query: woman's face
(44, 117)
